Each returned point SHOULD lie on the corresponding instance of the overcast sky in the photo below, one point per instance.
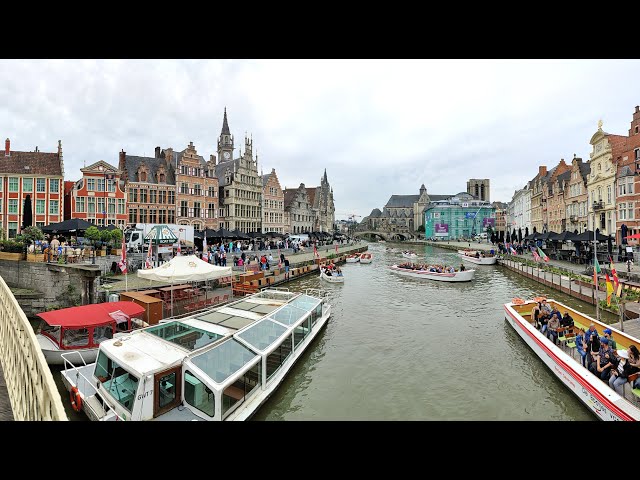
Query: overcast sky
(379, 127)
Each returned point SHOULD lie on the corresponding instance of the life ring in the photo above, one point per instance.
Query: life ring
(76, 399)
(517, 301)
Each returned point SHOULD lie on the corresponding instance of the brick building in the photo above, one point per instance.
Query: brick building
(272, 203)
(628, 181)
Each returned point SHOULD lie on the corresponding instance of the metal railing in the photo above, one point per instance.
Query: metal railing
(32, 391)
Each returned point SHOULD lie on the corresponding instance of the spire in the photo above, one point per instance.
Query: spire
(225, 124)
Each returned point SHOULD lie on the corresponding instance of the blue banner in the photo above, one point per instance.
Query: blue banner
(470, 214)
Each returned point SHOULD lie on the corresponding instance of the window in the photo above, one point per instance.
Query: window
(183, 208)
(212, 191)
(153, 194)
(75, 337)
(53, 207)
(196, 209)
(171, 216)
(172, 198)
(40, 206)
(100, 209)
(111, 206)
(608, 193)
(211, 210)
(184, 188)
(198, 395)
(13, 206)
(91, 205)
(27, 185)
(1, 183)
(623, 211)
(133, 215)
(13, 229)
(152, 216)
(637, 153)
(91, 184)
(116, 381)
(121, 206)
(143, 195)
(278, 356)
(143, 215)
(13, 184)
(100, 334)
(162, 216)
(630, 210)
(54, 185)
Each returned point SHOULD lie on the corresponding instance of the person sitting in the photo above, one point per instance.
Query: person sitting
(603, 361)
(609, 336)
(592, 339)
(621, 372)
(477, 254)
(567, 320)
(634, 361)
(581, 346)
(552, 328)
(535, 314)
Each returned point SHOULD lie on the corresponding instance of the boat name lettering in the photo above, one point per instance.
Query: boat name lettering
(145, 394)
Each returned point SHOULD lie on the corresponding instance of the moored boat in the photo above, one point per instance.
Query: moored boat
(564, 361)
(353, 258)
(220, 364)
(456, 276)
(365, 258)
(333, 277)
(409, 254)
(83, 328)
(478, 257)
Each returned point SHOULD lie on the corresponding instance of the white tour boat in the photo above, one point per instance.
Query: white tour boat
(333, 278)
(353, 258)
(220, 364)
(457, 276)
(365, 258)
(83, 328)
(409, 254)
(478, 257)
(565, 363)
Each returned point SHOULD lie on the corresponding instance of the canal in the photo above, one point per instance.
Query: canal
(398, 348)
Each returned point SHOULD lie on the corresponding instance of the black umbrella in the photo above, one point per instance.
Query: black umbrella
(526, 231)
(587, 236)
(520, 235)
(27, 219)
(609, 245)
(508, 237)
(72, 225)
(566, 236)
(221, 233)
(623, 233)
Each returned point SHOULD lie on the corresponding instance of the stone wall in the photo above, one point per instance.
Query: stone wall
(52, 279)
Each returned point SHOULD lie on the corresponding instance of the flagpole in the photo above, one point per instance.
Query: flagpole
(595, 271)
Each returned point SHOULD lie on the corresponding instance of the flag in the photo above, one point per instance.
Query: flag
(609, 288)
(147, 262)
(315, 251)
(123, 258)
(179, 247)
(513, 250)
(614, 274)
(336, 248)
(543, 255)
(596, 270)
(536, 257)
(205, 256)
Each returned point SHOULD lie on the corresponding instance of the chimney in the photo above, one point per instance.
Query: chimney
(7, 148)
(637, 108)
(157, 152)
(212, 159)
(37, 148)
(121, 160)
(168, 156)
(542, 170)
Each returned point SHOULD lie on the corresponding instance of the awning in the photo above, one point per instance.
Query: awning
(185, 268)
(90, 315)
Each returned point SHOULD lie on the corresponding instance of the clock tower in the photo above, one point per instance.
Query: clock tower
(225, 141)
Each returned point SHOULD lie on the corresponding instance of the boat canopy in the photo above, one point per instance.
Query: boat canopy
(224, 360)
(92, 315)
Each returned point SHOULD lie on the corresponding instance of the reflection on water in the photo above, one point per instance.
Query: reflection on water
(399, 348)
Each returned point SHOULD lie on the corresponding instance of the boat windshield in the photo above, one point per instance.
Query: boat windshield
(116, 381)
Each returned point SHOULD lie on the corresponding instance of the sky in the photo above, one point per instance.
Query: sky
(379, 127)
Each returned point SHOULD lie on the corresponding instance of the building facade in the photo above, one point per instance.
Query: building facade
(150, 187)
(37, 175)
(240, 184)
(479, 188)
(99, 196)
(606, 148)
(519, 210)
(196, 189)
(273, 204)
(500, 226)
(628, 182)
(298, 210)
(555, 218)
(537, 184)
(460, 215)
(322, 204)
(575, 196)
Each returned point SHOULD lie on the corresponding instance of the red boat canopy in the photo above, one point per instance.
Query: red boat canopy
(90, 315)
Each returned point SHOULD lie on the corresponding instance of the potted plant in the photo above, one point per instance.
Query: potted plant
(116, 239)
(11, 250)
(30, 235)
(93, 234)
(105, 236)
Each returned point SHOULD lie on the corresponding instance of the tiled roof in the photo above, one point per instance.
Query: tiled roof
(564, 177)
(265, 179)
(625, 172)
(39, 163)
(289, 195)
(221, 169)
(375, 213)
(311, 193)
(132, 162)
(402, 201)
(585, 169)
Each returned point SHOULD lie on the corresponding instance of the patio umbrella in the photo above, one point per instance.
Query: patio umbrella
(567, 236)
(71, 225)
(623, 233)
(520, 235)
(526, 231)
(27, 218)
(222, 233)
(587, 236)
(635, 236)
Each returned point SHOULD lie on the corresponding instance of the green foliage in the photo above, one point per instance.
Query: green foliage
(116, 236)
(105, 236)
(92, 233)
(420, 228)
(1, 233)
(11, 246)
(32, 233)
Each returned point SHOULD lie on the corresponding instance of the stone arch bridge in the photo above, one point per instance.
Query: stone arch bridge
(383, 235)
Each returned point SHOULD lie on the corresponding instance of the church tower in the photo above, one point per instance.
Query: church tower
(225, 141)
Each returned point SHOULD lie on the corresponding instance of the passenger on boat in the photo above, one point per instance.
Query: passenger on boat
(535, 314)
(567, 320)
(608, 335)
(621, 372)
(552, 328)
(593, 342)
(581, 346)
(604, 361)
(462, 269)
(477, 254)
(634, 361)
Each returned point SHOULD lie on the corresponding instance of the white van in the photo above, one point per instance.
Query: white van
(481, 236)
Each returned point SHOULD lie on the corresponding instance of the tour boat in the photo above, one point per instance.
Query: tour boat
(565, 363)
(220, 364)
(482, 259)
(333, 278)
(365, 258)
(409, 254)
(457, 276)
(83, 328)
(353, 258)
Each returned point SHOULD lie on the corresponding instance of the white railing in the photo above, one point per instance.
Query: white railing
(32, 391)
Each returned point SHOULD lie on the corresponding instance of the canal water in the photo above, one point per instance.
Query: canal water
(398, 348)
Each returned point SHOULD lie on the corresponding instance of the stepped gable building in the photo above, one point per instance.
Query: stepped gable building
(240, 184)
(150, 186)
(298, 210)
(575, 196)
(273, 203)
(38, 175)
(321, 199)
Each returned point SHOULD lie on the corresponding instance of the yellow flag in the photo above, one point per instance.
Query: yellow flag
(609, 289)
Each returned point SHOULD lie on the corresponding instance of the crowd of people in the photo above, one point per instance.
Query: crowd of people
(430, 268)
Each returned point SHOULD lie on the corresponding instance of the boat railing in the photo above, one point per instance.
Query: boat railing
(88, 385)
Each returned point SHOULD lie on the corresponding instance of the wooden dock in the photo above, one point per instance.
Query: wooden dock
(6, 413)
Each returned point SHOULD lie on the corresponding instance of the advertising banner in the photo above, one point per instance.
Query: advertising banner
(441, 230)
(488, 221)
(470, 214)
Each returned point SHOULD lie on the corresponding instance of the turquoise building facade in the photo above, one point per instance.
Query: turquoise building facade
(458, 216)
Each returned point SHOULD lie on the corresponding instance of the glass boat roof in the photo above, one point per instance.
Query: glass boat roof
(289, 314)
(262, 334)
(185, 336)
(222, 361)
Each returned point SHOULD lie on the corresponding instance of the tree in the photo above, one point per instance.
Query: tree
(420, 228)
(30, 234)
(92, 233)
(105, 236)
(116, 236)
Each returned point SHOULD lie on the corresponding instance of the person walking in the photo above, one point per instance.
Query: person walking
(286, 268)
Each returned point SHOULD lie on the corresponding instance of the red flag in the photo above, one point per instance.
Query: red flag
(123, 258)
(147, 262)
(315, 250)
(536, 257)
(179, 249)
(616, 282)
(336, 248)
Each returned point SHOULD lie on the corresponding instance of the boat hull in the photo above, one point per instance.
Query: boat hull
(352, 259)
(366, 258)
(603, 401)
(463, 276)
(331, 279)
(409, 255)
(480, 260)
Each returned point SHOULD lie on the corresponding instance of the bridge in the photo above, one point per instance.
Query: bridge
(25, 379)
(382, 235)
